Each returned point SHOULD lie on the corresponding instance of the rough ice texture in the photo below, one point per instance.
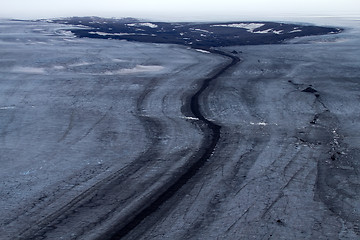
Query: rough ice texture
(103, 110)
(82, 150)
(286, 166)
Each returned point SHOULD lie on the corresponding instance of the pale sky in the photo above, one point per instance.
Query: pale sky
(175, 10)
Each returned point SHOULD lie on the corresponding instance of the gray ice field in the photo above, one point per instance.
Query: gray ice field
(94, 130)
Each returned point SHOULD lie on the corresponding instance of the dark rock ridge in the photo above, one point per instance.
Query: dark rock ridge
(199, 35)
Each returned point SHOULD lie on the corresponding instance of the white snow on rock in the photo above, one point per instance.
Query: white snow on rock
(136, 69)
(294, 31)
(111, 34)
(264, 31)
(249, 26)
(200, 30)
(120, 34)
(270, 31)
(150, 25)
(278, 31)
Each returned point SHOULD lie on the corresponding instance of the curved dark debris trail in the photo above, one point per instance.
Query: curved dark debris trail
(193, 169)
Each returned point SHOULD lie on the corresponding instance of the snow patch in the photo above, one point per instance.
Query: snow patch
(150, 25)
(121, 34)
(58, 67)
(249, 26)
(65, 33)
(202, 51)
(136, 69)
(111, 34)
(269, 31)
(264, 31)
(294, 31)
(7, 107)
(191, 118)
(80, 64)
(278, 31)
(118, 60)
(259, 123)
(31, 70)
(202, 30)
(70, 40)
